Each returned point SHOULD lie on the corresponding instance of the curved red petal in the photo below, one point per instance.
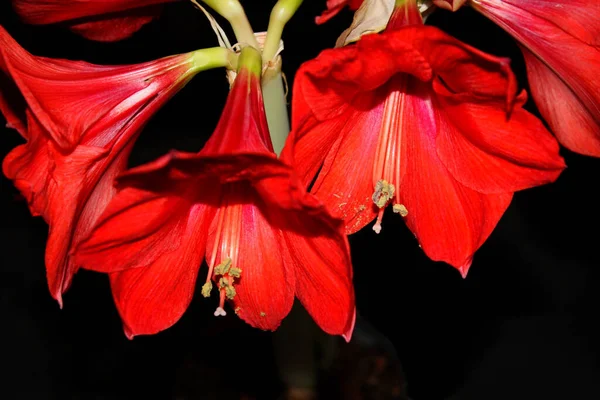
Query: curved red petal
(114, 27)
(40, 12)
(489, 153)
(345, 181)
(153, 298)
(135, 229)
(579, 18)
(324, 280)
(68, 191)
(571, 121)
(549, 35)
(449, 220)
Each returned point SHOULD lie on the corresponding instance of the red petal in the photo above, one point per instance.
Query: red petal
(153, 298)
(135, 230)
(113, 97)
(345, 180)
(546, 33)
(265, 291)
(117, 26)
(69, 191)
(490, 154)
(97, 20)
(449, 220)
(574, 125)
(324, 280)
(579, 18)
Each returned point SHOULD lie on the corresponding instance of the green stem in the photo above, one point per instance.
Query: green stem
(214, 57)
(233, 12)
(282, 12)
(251, 60)
(276, 106)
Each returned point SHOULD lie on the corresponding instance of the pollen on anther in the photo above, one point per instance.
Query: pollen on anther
(384, 191)
(206, 288)
(230, 292)
(223, 267)
(400, 209)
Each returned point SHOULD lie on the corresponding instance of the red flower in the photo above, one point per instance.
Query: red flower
(561, 43)
(334, 7)
(80, 121)
(264, 238)
(102, 20)
(415, 118)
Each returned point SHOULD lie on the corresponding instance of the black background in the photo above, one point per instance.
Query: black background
(521, 326)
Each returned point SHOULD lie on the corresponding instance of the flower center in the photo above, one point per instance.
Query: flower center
(225, 248)
(386, 171)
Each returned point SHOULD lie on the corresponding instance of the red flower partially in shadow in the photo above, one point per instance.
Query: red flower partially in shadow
(102, 20)
(80, 121)
(414, 118)
(265, 239)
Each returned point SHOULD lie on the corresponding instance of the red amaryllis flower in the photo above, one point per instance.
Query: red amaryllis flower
(415, 118)
(334, 7)
(80, 121)
(102, 20)
(264, 238)
(560, 40)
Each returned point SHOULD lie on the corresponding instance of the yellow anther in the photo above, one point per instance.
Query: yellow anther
(400, 209)
(235, 272)
(223, 267)
(206, 288)
(230, 292)
(384, 191)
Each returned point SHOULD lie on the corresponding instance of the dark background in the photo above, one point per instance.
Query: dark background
(521, 326)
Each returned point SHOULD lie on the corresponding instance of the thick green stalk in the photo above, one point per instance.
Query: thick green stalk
(233, 12)
(214, 57)
(276, 106)
(280, 15)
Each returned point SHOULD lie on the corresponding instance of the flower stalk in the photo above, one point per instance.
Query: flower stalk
(233, 12)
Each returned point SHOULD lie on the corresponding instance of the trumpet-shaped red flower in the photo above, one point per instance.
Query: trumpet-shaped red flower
(80, 122)
(102, 20)
(234, 203)
(334, 7)
(414, 118)
(560, 40)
